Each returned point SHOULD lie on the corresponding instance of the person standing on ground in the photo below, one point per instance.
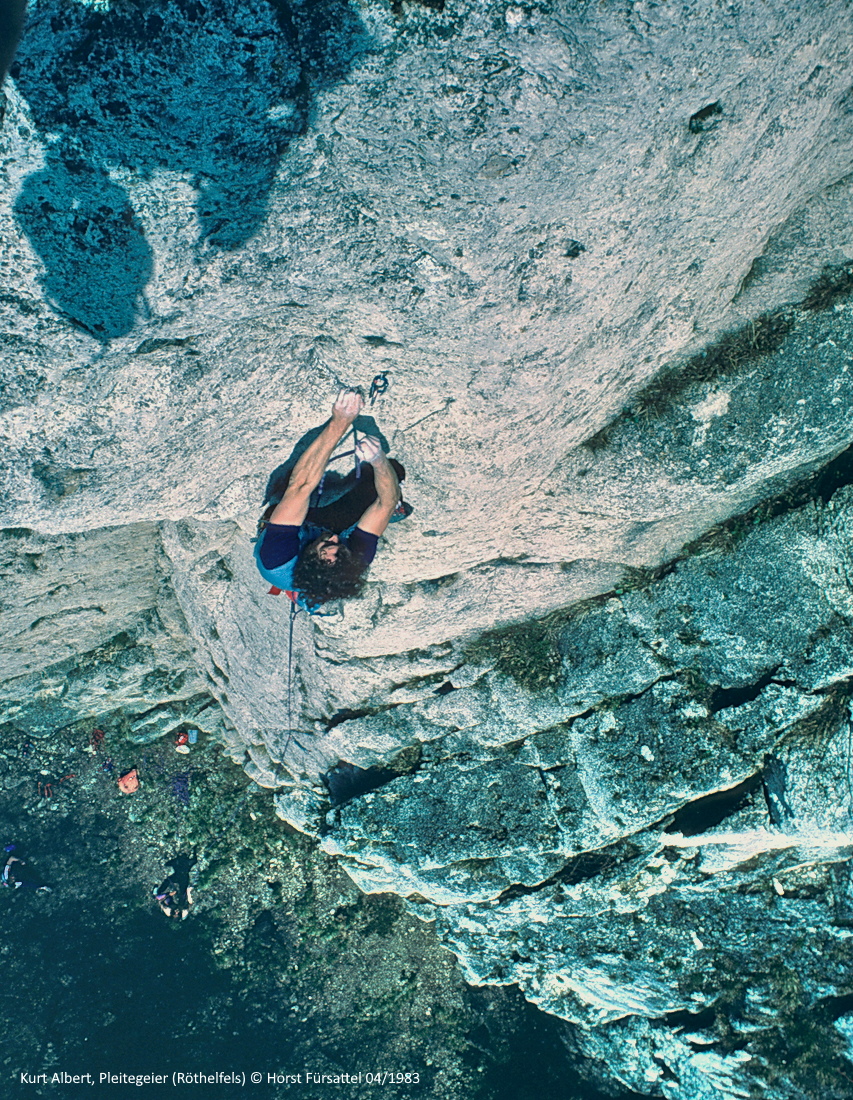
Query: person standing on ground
(175, 895)
(12, 876)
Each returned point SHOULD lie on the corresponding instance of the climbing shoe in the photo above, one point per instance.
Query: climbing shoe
(402, 511)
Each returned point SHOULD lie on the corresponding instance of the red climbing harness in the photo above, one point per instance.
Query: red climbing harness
(292, 596)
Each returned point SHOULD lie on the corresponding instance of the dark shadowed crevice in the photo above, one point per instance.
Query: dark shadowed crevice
(706, 118)
(835, 1007)
(696, 1021)
(727, 698)
(832, 477)
(706, 812)
(347, 715)
(346, 781)
(580, 868)
(774, 783)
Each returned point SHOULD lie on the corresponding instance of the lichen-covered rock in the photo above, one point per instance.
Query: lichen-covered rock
(636, 860)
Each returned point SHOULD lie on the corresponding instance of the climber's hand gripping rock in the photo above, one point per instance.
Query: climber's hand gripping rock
(347, 406)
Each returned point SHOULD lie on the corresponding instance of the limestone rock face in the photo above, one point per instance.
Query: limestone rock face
(91, 625)
(673, 815)
(604, 254)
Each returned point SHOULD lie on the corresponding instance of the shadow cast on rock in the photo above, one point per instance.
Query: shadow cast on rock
(206, 88)
(336, 481)
(96, 258)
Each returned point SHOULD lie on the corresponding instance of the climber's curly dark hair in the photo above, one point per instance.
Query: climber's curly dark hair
(320, 581)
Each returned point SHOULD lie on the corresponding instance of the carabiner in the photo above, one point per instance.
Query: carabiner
(378, 386)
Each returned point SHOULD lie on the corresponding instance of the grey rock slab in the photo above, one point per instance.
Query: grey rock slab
(736, 658)
(658, 934)
(818, 789)
(733, 618)
(91, 626)
(361, 233)
(201, 713)
(69, 593)
(590, 781)
(603, 657)
(507, 834)
(643, 759)
(766, 719)
(654, 1059)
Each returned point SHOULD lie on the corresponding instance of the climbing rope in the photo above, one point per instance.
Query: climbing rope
(294, 611)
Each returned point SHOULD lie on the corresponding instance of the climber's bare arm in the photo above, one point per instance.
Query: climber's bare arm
(378, 515)
(293, 506)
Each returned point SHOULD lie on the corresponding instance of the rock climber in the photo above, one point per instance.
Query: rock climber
(320, 547)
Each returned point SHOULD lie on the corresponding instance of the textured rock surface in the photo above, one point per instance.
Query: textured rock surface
(604, 252)
(282, 963)
(662, 837)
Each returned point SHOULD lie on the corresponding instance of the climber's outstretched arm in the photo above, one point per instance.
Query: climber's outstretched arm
(378, 515)
(306, 475)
